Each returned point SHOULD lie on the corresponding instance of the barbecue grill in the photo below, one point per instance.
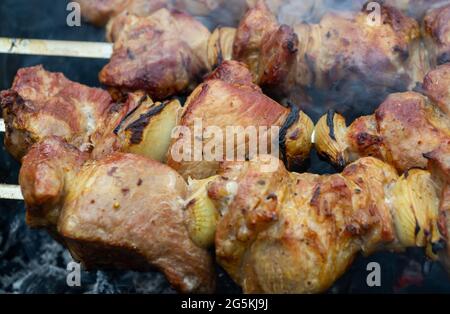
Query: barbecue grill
(32, 262)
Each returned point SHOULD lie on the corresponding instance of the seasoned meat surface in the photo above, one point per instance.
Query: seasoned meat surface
(266, 47)
(437, 34)
(282, 232)
(123, 211)
(42, 103)
(342, 61)
(46, 174)
(162, 54)
(228, 101)
(436, 86)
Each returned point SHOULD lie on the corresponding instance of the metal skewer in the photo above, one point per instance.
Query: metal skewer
(10, 192)
(63, 48)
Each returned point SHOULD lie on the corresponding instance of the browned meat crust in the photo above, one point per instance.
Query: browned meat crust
(437, 34)
(268, 49)
(228, 98)
(123, 211)
(436, 86)
(282, 232)
(41, 104)
(344, 59)
(162, 54)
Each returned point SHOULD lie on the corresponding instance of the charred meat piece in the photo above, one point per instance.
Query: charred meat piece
(229, 102)
(268, 49)
(439, 165)
(144, 127)
(227, 98)
(162, 54)
(123, 211)
(281, 232)
(404, 128)
(145, 131)
(344, 59)
(46, 175)
(42, 103)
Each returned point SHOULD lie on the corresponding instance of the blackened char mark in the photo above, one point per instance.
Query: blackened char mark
(330, 123)
(141, 100)
(10, 97)
(291, 119)
(137, 127)
(438, 246)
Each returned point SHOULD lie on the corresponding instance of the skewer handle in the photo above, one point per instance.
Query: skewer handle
(80, 49)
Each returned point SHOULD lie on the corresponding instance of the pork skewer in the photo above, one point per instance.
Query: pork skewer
(62, 48)
(404, 128)
(74, 250)
(313, 226)
(280, 56)
(135, 221)
(92, 123)
(342, 146)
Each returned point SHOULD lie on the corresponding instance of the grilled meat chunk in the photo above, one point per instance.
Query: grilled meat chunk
(163, 54)
(281, 232)
(123, 211)
(42, 103)
(99, 12)
(47, 173)
(144, 127)
(229, 102)
(404, 128)
(268, 49)
(436, 86)
(344, 59)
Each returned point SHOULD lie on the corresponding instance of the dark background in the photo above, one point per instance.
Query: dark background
(32, 262)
